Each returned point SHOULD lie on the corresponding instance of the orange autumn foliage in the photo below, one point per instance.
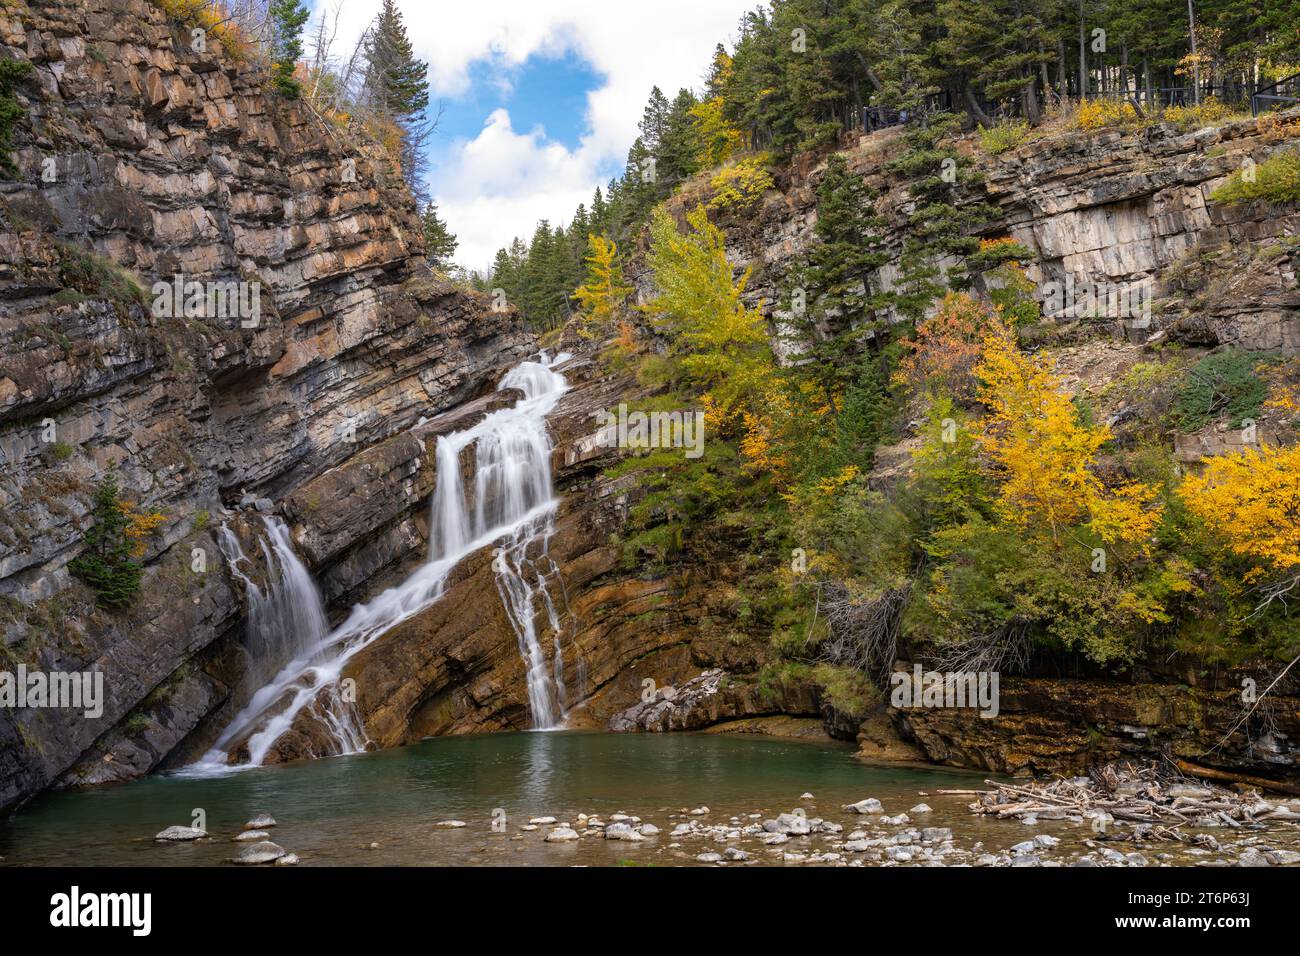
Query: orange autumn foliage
(141, 525)
(946, 349)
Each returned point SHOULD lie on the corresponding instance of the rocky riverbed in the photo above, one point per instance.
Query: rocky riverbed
(585, 799)
(869, 833)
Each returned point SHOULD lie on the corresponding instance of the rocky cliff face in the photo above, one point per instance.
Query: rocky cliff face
(1101, 207)
(325, 410)
(649, 650)
(139, 156)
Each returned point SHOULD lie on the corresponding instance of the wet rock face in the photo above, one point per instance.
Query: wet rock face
(709, 699)
(167, 161)
(457, 667)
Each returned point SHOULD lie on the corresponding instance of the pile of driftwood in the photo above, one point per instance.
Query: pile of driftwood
(1158, 803)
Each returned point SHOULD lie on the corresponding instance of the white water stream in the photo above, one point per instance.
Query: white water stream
(513, 505)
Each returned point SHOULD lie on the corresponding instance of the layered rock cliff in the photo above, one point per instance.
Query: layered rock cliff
(140, 158)
(325, 411)
(646, 649)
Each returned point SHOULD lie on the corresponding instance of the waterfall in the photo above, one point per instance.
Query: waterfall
(521, 580)
(513, 502)
(285, 620)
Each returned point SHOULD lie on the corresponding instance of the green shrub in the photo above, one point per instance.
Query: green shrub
(1004, 136)
(1276, 179)
(1222, 383)
(95, 276)
(847, 690)
(1147, 392)
(106, 561)
(12, 73)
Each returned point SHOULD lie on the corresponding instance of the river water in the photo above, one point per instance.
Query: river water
(384, 808)
(330, 811)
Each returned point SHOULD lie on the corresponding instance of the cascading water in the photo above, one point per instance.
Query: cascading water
(521, 579)
(285, 620)
(513, 500)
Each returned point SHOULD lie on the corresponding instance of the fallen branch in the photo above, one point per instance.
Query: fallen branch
(1209, 773)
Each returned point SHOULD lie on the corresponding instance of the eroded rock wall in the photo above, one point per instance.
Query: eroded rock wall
(161, 160)
(1103, 207)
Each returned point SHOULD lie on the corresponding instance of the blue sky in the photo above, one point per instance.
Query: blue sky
(547, 91)
(541, 98)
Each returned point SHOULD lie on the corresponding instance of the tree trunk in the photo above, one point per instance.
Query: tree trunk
(1062, 86)
(870, 73)
(1123, 78)
(973, 107)
(1042, 69)
(1030, 99)
(1083, 56)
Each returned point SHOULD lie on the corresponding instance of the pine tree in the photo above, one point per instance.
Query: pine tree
(439, 242)
(998, 46)
(837, 280)
(654, 120)
(503, 276)
(106, 561)
(287, 18)
(675, 157)
(639, 189)
(580, 229)
(534, 295)
(397, 91)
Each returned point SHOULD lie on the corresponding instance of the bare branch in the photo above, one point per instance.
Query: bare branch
(863, 634)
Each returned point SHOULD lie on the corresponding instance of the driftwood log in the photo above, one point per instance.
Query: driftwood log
(1162, 803)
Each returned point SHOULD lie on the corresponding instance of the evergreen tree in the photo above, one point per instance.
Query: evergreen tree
(654, 120)
(503, 275)
(439, 242)
(677, 149)
(287, 18)
(938, 226)
(997, 45)
(580, 229)
(106, 561)
(639, 189)
(535, 299)
(397, 91)
(838, 280)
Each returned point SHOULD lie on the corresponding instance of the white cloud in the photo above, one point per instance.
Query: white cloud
(500, 183)
(497, 185)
